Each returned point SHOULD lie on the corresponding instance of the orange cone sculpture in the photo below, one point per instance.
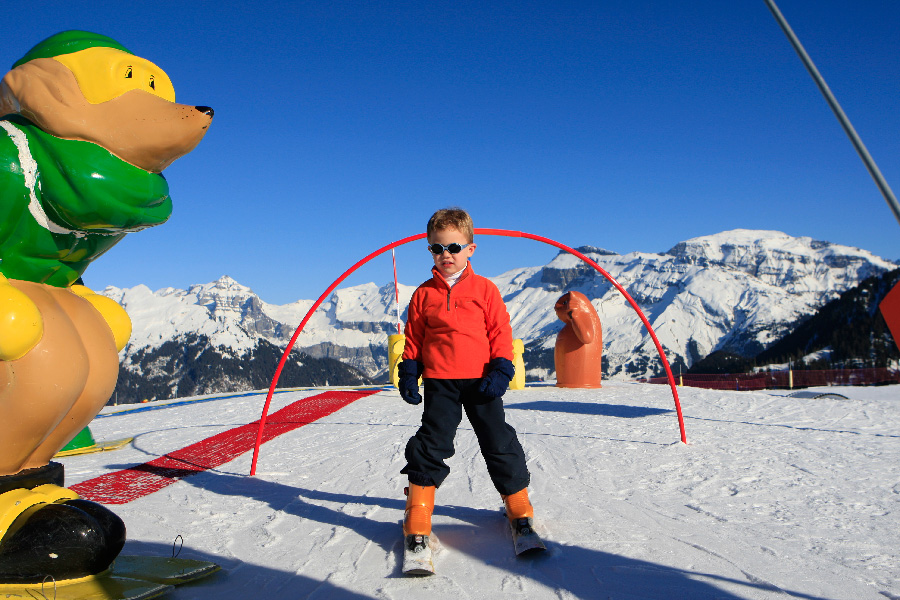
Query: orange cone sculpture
(579, 345)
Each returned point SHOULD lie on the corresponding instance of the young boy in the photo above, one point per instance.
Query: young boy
(458, 337)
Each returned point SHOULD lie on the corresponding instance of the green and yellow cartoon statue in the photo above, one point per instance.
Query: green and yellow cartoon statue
(87, 128)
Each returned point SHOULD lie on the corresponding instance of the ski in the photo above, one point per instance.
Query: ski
(525, 539)
(93, 448)
(418, 554)
(162, 570)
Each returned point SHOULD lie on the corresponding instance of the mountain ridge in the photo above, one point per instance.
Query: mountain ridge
(737, 291)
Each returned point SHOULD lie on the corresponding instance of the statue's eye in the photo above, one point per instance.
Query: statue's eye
(128, 73)
(152, 83)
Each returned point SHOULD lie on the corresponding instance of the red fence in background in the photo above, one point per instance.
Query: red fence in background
(787, 379)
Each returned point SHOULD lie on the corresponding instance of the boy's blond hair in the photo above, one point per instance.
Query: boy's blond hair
(454, 217)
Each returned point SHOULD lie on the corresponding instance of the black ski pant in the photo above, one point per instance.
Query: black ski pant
(432, 444)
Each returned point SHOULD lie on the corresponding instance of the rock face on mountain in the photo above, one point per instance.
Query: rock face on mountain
(736, 291)
(220, 337)
(849, 331)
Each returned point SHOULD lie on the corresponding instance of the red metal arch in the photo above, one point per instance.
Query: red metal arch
(478, 231)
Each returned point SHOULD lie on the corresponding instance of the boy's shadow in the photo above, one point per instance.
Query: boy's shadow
(239, 579)
(484, 536)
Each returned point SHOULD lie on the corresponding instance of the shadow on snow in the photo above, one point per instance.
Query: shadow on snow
(254, 581)
(580, 571)
(589, 408)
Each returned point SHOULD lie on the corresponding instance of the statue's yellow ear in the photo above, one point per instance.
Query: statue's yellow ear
(107, 73)
(21, 324)
(113, 313)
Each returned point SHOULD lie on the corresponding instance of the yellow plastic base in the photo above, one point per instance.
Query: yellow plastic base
(95, 587)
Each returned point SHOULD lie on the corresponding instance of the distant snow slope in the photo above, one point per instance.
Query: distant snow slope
(773, 498)
(736, 290)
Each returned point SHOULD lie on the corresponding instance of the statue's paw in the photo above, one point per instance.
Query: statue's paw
(50, 531)
(21, 324)
(113, 313)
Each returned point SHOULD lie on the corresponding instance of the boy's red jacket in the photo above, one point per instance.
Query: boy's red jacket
(455, 332)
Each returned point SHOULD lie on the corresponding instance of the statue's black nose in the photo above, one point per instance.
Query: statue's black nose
(206, 110)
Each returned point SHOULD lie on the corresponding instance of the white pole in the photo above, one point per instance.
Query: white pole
(838, 112)
(396, 292)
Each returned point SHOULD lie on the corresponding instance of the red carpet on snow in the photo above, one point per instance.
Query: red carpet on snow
(135, 482)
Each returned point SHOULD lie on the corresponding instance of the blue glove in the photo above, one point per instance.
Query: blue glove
(496, 382)
(408, 373)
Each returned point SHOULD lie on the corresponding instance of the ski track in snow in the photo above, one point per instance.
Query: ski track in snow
(772, 498)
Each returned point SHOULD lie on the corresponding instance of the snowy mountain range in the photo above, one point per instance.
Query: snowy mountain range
(737, 291)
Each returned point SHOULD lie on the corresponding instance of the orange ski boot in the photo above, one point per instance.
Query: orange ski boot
(418, 549)
(518, 506)
(521, 522)
(419, 506)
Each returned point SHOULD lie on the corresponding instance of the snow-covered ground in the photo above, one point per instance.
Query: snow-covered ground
(773, 497)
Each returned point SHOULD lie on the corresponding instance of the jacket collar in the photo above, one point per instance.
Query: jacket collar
(440, 280)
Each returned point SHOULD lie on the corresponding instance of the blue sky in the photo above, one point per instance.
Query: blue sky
(629, 125)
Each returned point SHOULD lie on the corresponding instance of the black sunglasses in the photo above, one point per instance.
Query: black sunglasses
(453, 248)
